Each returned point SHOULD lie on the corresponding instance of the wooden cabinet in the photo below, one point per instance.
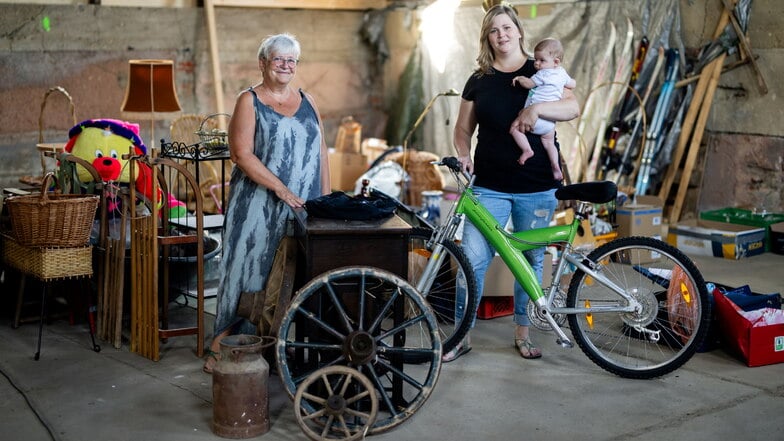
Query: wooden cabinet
(326, 244)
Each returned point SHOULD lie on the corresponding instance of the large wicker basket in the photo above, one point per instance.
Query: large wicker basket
(52, 220)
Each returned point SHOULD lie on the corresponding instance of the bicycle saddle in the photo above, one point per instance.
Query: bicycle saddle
(595, 192)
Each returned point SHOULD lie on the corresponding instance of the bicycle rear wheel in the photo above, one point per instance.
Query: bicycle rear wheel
(454, 285)
(675, 311)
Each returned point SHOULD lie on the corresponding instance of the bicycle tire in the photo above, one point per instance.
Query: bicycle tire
(677, 313)
(445, 288)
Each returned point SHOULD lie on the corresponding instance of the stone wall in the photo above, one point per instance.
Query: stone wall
(85, 48)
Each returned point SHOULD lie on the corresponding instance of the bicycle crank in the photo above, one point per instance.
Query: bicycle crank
(537, 315)
(563, 340)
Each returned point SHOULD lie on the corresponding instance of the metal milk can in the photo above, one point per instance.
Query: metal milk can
(240, 399)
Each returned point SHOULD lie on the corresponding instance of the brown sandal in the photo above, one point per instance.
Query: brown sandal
(212, 359)
(531, 351)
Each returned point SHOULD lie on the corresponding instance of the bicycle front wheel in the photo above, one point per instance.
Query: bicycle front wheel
(453, 295)
(671, 324)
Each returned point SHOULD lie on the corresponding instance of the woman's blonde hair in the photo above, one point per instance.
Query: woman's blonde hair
(486, 54)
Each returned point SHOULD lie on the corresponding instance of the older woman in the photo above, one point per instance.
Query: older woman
(526, 193)
(277, 145)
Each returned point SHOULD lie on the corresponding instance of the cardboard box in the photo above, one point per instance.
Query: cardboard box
(718, 239)
(584, 237)
(373, 148)
(499, 281)
(345, 169)
(642, 218)
(743, 216)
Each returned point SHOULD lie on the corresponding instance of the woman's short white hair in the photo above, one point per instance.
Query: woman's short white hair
(279, 44)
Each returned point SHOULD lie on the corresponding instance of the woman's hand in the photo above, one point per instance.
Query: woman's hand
(292, 200)
(467, 163)
(526, 119)
(565, 109)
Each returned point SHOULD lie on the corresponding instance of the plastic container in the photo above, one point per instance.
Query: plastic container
(493, 307)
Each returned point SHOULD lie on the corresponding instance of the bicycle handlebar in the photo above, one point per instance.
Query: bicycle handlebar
(454, 165)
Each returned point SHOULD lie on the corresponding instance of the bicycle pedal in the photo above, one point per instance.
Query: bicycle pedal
(565, 343)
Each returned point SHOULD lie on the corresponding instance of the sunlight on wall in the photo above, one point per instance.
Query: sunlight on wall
(438, 31)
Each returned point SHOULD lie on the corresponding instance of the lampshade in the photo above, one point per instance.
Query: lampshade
(150, 89)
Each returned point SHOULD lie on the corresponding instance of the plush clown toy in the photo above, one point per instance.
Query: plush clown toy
(103, 142)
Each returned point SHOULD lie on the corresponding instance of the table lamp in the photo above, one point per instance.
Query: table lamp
(151, 92)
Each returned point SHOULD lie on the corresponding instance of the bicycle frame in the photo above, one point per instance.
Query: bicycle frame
(510, 247)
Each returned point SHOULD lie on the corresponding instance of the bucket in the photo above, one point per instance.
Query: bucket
(182, 263)
(240, 397)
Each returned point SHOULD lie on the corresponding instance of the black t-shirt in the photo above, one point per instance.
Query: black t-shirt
(496, 104)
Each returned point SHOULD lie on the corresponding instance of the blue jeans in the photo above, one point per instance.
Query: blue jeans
(527, 210)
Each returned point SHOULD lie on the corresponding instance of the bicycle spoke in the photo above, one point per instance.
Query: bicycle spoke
(391, 320)
(673, 312)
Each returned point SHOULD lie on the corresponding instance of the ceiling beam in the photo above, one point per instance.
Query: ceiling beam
(305, 4)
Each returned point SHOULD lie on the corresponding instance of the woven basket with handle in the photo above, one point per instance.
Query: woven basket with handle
(52, 220)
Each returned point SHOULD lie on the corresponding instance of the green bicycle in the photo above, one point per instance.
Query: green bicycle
(636, 306)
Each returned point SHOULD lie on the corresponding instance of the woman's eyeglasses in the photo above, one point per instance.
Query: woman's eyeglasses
(280, 61)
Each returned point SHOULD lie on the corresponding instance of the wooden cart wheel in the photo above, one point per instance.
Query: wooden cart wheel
(370, 320)
(336, 402)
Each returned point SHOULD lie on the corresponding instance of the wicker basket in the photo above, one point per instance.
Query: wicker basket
(216, 139)
(52, 220)
(424, 175)
(48, 263)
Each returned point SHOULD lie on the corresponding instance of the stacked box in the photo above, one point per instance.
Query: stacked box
(751, 218)
(345, 169)
(499, 281)
(717, 239)
(642, 218)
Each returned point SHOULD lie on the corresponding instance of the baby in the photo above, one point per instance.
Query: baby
(546, 85)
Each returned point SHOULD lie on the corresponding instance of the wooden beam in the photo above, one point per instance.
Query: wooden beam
(696, 141)
(217, 78)
(355, 5)
(727, 67)
(746, 49)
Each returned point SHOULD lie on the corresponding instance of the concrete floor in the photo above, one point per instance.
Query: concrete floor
(73, 393)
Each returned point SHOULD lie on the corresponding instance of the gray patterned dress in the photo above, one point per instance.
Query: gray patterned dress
(290, 147)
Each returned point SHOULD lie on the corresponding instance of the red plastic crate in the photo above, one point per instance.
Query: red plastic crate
(492, 307)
